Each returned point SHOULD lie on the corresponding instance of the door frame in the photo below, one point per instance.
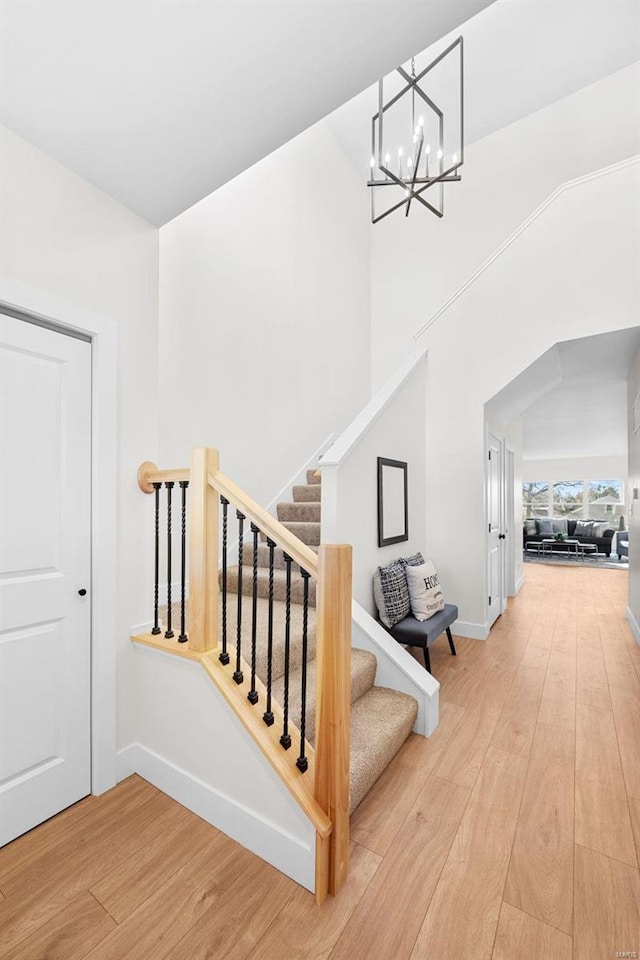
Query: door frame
(502, 543)
(40, 307)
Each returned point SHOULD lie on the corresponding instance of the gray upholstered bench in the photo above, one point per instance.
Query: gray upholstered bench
(422, 633)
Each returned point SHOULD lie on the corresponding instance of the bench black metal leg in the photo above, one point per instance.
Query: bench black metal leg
(450, 639)
(427, 660)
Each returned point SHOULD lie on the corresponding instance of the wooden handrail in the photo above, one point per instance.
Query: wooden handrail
(148, 474)
(291, 545)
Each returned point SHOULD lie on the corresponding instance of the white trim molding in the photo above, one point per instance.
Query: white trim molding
(104, 458)
(568, 185)
(299, 476)
(633, 623)
(473, 631)
(350, 437)
(265, 839)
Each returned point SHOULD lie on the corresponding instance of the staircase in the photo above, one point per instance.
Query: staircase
(381, 719)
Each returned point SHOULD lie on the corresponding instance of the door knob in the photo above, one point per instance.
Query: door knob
(82, 592)
(501, 536)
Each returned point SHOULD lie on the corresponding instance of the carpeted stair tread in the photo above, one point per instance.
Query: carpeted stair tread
(314, 476)
(278, 633)
(263, 556)
(308, 532)
(300, 512)
(307, 493)
(381, 721)
(363, 673)
(279, 583)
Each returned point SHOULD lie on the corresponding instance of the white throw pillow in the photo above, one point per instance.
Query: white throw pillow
(425, 593)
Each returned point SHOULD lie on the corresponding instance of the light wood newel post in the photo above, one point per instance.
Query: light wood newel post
(333, 683)
(203, 552)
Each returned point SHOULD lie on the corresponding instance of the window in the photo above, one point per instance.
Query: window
(604, 497)
(574, 499)
(535, 499)
(568, 498)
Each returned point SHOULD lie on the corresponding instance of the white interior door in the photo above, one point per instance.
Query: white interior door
(495, 534)
(45, 636)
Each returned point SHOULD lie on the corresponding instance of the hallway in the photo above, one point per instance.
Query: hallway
(507, 836)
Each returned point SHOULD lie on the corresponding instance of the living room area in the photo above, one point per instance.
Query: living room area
(567, 419)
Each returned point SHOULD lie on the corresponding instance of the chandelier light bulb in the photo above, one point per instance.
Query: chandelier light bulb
(454, 158)
(427, 149)
(439, 154)
(418, 130)
(409, 162)
(400, 151)
(387, 158)
(372, 162)
(421, 122)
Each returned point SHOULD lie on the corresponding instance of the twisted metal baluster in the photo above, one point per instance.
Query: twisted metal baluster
(224, 656)
(183, 560)
(302, 763)
(252, 696)
(156, 626)
(268, 714)
(169, 634)
(238, 675)
(285, 739)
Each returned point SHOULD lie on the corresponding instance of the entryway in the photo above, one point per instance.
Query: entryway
(45, 573)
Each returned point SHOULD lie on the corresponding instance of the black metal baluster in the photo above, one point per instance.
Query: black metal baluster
(183, 563)
(302, 763)
(252, 696)
(285, 739)
(224, 656)
(268, 714)
(169, 634)
(156, 626)
(237, 676)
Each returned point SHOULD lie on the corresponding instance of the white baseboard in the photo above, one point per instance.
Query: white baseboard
(633, 623)
(474, 631)
(519, 584)
(268, 841)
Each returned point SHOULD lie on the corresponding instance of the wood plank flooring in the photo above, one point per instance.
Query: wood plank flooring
(512, 834)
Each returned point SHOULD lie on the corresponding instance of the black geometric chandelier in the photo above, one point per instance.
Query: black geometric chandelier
(417, 135)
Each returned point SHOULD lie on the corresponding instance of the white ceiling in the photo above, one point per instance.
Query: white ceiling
(520, 56)
(573, 399)
(159, 102)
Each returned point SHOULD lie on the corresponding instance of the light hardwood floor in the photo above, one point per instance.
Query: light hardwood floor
(509, 835)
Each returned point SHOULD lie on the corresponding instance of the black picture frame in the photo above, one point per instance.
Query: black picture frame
(389, 536)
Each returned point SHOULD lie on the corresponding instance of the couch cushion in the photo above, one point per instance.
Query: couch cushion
(545, 527)
(530, 528)
(425, 592)
(420, 633)
(582, 529)
(561, 526)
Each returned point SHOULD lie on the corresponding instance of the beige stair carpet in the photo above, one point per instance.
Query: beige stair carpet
(381, 719)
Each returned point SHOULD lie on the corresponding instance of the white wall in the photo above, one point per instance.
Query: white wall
(633, 611)
(419, 262)
(350, 483)
(67, 243)
(570, 274)
(219, 773)
(264, 315)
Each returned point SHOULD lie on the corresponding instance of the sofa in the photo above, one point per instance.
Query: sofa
(622, 544)
(535, 530)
